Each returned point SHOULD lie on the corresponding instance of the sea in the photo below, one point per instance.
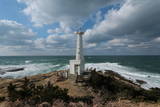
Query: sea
(146, 68)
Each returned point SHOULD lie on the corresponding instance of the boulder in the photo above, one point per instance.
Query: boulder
(45, 104)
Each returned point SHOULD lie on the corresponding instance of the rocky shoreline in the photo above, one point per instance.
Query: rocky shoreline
(107, 89)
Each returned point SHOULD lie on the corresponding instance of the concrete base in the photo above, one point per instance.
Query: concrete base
(76, 67)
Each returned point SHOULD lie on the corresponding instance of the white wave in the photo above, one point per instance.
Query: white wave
(28, 61)
(29, 69)
(152, 79)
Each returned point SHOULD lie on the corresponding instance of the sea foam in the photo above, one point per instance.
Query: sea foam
(28, 61)
(29, 69)
(152, 79)
(131, 73)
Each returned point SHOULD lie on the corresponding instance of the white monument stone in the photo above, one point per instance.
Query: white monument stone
(77, 66)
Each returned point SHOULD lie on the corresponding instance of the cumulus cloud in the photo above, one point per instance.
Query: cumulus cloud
(13, 33)
(117, 42)
(16, 39)
(71, 12)
(133, 18)
(63, 28)
(61, 41)
(137, 20)
(133, 28)
(157, 39)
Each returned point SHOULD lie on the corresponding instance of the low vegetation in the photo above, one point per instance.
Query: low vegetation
(106, 88)
(29, 93)
(2, 99)
(113, 88)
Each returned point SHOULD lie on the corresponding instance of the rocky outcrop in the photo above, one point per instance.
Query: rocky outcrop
(3, 71)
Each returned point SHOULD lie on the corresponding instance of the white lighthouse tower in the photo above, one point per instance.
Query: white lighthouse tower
(77, 66)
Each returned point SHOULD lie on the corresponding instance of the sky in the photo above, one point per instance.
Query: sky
(112, 27)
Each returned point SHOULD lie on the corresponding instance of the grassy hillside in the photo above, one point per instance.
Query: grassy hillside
(100, 89)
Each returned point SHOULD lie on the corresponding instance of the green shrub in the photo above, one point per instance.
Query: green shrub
(12, 93)
(112, 89)
(37, 94)
(2, 99)
(86, 99)
(32, 94)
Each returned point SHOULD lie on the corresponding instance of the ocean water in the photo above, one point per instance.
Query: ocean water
(145, 68)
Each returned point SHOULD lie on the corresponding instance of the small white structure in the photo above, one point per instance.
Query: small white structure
(77, 66)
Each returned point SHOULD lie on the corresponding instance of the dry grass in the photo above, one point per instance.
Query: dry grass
(37, 79)
(73, 88)
(127, 103)
(3, 85)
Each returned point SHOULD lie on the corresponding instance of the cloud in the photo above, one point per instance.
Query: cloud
(65, 41)
(63, 28)
(71, 12)
(157, 40)
(14, 34)
(16, 39)
(140, 45)
(136, 20)
(117, 42)
(133, 18)
(133, 28)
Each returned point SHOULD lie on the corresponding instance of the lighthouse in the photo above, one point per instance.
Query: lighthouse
(77, 66)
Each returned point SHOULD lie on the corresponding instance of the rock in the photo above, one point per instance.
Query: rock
(18, 104)
(148, 76)
(8, 104)
(59, 103)
(14, 69)
(141, 82)
(14, 104)
(3, 71)
(45, 104)
(27, 105)
(78, 104)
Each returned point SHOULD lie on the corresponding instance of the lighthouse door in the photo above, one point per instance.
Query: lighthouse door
(76, 69)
